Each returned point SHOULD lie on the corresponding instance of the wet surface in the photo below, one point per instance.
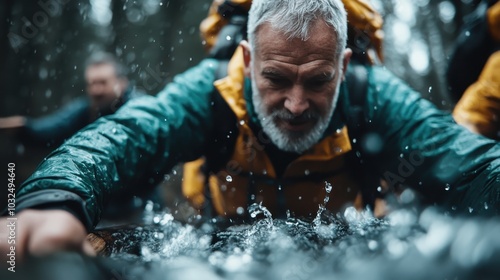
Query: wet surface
(406, 244)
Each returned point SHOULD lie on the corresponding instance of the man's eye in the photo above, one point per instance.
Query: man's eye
(317, 84)
(277, 81)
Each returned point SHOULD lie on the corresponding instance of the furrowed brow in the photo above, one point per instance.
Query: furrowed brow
(270, 72)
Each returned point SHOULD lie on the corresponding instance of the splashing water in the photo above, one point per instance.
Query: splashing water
(407, 244)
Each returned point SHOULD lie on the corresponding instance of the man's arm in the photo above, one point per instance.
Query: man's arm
(51, 129)
(130, 149)
(425, 149)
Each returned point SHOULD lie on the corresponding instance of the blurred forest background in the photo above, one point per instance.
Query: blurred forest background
(44, 43)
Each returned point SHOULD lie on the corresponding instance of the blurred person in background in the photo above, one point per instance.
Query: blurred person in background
(108, 88)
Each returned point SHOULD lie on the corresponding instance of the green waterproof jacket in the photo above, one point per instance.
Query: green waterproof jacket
(421, 147)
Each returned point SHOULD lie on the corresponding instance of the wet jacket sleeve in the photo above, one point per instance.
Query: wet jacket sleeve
(425, 149)
(54, 128)
(134, 147)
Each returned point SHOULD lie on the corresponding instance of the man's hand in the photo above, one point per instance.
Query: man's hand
(41, 232)
(12, 122)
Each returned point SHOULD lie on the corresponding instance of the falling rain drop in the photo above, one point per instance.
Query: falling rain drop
(228, 38)
(242, 122)
(328, 187)
(307, 172)
(229, 178)
(372, 245)
(447, 187)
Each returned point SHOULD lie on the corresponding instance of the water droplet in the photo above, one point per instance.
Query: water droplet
(300, 197)
(338, 149)
(379, 189)
(447, 187)
(223, 188)
(229, 178)
(430, 89)
(486, 206)
(372, 245)
(328, 187)
(228, 38)
(113, 130)
(264, 172)
(471, 209)
(240, 210)
(242, 122)
(338, 131)
(406, 147)
(307, 172)
(354, 140)
(467, 33)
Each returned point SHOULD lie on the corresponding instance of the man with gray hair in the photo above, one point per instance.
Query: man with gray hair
(280, 121)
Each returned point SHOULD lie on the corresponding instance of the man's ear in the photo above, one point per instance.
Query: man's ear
(123, 85)
(246, 57)
(345, 62)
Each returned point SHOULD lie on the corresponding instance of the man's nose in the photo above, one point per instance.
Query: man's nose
(296, 101)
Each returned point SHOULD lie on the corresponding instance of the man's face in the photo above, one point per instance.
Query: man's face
(103, 86)
(295, 84)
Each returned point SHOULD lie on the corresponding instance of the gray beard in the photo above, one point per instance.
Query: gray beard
(286, 140)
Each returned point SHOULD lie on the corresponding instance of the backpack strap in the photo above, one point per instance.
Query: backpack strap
(223, 139)
(232, 33)
(359, 132)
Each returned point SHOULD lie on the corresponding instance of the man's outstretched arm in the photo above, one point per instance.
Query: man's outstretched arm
(131, 149)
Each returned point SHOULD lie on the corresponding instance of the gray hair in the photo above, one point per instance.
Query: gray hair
(107, 58)
(295, 18)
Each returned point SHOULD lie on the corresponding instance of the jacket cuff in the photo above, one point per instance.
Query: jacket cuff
(55, 199)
